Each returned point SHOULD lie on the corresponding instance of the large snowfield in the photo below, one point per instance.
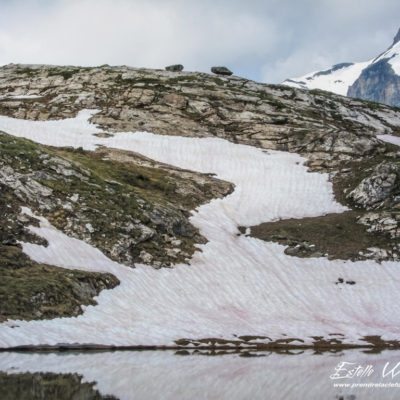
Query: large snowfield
(236, 285)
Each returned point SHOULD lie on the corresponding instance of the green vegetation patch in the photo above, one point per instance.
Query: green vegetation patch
(152, 183)
(29, 290)
(30, 72)
(65, 73)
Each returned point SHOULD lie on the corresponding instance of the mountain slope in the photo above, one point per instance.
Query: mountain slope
(375, 80)
(288, 153)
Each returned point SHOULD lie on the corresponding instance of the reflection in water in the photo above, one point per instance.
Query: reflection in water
(188, 375)
(44, 386)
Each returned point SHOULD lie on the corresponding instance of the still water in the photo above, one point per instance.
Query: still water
(199, 375)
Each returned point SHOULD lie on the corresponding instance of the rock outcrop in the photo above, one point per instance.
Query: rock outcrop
(396, 38)
(30, 290)
(381, 189)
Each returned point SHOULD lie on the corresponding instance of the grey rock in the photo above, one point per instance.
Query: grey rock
(174, 68)
(386, 223)
(221, 71)
(146, 257)
(292, 251)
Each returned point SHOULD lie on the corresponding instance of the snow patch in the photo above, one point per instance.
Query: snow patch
(390, 139)
(236, 285)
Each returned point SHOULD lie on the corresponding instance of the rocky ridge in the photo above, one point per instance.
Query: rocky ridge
(326, 127)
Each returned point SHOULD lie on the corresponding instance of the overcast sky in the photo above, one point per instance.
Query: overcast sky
(264, 40)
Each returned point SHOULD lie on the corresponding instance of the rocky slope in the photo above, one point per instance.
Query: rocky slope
(30, 290)
(374, 80)
(131, 211)
(136, 210)
(131, 208)
(325, 127)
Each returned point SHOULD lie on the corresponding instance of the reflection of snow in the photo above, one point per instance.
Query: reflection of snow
(155, 375)
(237, 285)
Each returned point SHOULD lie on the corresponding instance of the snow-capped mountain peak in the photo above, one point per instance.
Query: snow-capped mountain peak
(336, 79)
(376, 80)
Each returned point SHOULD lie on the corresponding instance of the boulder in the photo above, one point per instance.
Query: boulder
(174, 68)
(221, 71)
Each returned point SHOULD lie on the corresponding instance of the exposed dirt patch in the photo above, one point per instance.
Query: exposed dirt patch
(338, 236)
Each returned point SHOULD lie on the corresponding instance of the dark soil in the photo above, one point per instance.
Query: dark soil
(337, 235)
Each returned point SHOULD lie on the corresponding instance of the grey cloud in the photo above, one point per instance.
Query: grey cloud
(263, 40)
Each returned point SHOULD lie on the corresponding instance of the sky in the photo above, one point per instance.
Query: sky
(263, 40)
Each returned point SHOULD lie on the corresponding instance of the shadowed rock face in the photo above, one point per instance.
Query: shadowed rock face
(379, 83)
